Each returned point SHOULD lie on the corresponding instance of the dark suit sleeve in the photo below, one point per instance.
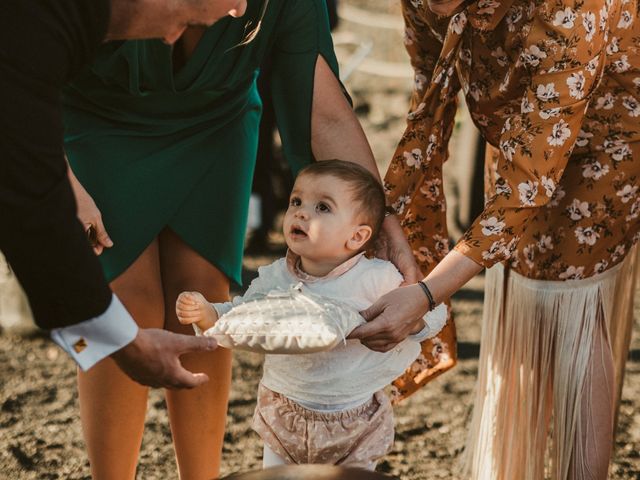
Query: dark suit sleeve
(40, 235)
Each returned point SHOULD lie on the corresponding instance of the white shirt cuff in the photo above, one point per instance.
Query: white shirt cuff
(435, 320)
(90, 341)
(222, 308)
(197, 330)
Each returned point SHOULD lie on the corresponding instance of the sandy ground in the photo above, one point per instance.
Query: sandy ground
(40, 433)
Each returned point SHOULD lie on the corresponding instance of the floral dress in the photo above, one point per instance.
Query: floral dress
(554, 87)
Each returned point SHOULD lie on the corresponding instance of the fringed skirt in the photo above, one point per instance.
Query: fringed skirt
(536, 359)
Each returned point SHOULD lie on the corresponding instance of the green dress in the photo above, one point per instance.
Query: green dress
(156, 148)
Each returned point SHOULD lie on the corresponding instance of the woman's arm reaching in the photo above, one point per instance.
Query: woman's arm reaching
(336, 133)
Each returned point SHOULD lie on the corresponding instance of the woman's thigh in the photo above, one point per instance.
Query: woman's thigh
(112, 406)
(183, 269)
(140, 288)
(197, 416)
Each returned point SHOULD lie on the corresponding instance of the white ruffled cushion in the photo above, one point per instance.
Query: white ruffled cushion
(286, 322)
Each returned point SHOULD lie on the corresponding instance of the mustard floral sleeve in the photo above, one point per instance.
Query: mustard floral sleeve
(424, 46)
(563, 55)
(413, 182)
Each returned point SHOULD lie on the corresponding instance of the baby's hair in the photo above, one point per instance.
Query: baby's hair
(366, 189)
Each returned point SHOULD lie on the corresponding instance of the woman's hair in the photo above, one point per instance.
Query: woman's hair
(253, 33)
(365, 188)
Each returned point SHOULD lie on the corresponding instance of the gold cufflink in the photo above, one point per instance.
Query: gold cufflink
(80, 345)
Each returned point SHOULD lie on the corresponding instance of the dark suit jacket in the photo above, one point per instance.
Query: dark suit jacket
(43, 43)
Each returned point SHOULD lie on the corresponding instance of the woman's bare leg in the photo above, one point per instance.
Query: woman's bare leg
(595, 431)
(197, 416)
(113, 407)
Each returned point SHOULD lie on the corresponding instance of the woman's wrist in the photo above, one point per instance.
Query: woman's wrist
(450, 274)
(421, 299)
(427, 292)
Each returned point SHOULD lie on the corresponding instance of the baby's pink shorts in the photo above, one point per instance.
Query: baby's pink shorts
(358, 437)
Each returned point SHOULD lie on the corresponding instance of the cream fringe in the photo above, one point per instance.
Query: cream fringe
(536, 352)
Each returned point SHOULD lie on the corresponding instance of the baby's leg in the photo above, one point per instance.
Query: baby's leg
(270, 458)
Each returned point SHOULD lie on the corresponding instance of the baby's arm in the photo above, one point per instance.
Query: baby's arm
(192, 307)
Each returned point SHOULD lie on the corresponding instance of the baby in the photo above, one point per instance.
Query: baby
(326, 407)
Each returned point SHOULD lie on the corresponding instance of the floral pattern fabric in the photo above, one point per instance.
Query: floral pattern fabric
(554, 87)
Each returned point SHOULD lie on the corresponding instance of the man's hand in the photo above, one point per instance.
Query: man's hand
(392, 318)
(392, 245)
(153, 358)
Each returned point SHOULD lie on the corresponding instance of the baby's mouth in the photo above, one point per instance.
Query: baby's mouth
(297, 231)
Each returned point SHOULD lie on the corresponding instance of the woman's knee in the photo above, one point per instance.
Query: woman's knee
(144, 301)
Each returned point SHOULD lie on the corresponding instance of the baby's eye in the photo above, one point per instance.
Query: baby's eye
(295, 202)
(323, 207)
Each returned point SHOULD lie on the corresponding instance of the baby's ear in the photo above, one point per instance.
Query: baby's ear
(361, 235)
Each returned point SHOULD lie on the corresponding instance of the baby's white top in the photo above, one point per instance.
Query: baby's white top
(351, 373)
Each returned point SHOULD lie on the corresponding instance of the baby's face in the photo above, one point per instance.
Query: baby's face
(321, 218)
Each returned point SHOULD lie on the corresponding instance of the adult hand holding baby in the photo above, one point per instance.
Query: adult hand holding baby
(392, 318)
(405, 303)
(392, 245)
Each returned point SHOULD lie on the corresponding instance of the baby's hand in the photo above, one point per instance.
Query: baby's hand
(192, 307)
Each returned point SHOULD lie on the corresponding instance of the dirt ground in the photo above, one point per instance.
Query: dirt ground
(40, 433)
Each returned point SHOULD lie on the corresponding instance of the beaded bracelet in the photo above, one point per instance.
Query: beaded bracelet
(427, 292)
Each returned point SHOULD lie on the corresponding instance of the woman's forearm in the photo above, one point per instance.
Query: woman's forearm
(335, 129)
(336, 133)
(450, 274)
